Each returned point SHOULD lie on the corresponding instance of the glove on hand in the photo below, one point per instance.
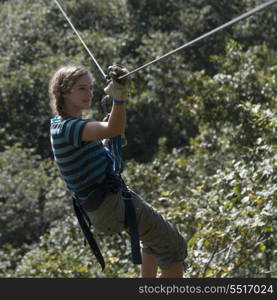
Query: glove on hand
(117, 88)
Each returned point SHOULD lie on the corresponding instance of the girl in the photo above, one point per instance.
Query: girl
(87, 168)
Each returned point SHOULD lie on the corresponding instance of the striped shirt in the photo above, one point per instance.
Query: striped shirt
(80, 163)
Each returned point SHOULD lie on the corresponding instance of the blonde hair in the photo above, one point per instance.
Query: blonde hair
(62, 82)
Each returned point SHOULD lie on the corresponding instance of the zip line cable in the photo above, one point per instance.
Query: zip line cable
(78, 35)
(231, 22)
(237, 19)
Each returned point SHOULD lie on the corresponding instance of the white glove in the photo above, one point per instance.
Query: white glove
(117, 88)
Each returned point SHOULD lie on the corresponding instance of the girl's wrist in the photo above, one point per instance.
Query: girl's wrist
(119, 102)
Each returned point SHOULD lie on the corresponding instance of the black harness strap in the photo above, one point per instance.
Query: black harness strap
(87, 232)
(131, 222)
(112, 184)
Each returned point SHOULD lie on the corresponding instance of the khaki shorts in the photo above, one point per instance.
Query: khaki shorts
(158, 236)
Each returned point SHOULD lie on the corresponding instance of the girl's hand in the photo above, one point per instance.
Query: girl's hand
(116, 88)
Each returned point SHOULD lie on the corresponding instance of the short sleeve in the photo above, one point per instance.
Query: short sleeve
(73, 131)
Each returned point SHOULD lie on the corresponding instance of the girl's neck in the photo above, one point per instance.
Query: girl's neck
(73, 114)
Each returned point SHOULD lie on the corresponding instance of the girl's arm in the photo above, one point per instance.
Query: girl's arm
(117, 119)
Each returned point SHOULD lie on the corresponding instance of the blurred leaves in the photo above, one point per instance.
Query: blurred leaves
(201, 133)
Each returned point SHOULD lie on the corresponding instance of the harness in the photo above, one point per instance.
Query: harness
(113, 183)
(114, 148)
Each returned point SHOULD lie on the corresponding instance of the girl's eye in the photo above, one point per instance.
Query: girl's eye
(84, 89)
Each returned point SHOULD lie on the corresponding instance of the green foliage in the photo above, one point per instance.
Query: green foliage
(203, 122)
(31, 196)
(37, 41)
(61, 254)
(226, 210)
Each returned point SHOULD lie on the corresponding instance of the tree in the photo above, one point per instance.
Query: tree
(202, 121)
(32, 196)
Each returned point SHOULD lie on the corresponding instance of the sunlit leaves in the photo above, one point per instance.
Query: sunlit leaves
(204, 120)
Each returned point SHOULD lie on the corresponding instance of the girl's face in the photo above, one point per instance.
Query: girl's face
(80, 96)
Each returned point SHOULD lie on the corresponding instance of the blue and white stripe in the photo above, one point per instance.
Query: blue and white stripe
(80, 163)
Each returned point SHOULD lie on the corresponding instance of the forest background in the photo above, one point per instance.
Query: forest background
(201, 132)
